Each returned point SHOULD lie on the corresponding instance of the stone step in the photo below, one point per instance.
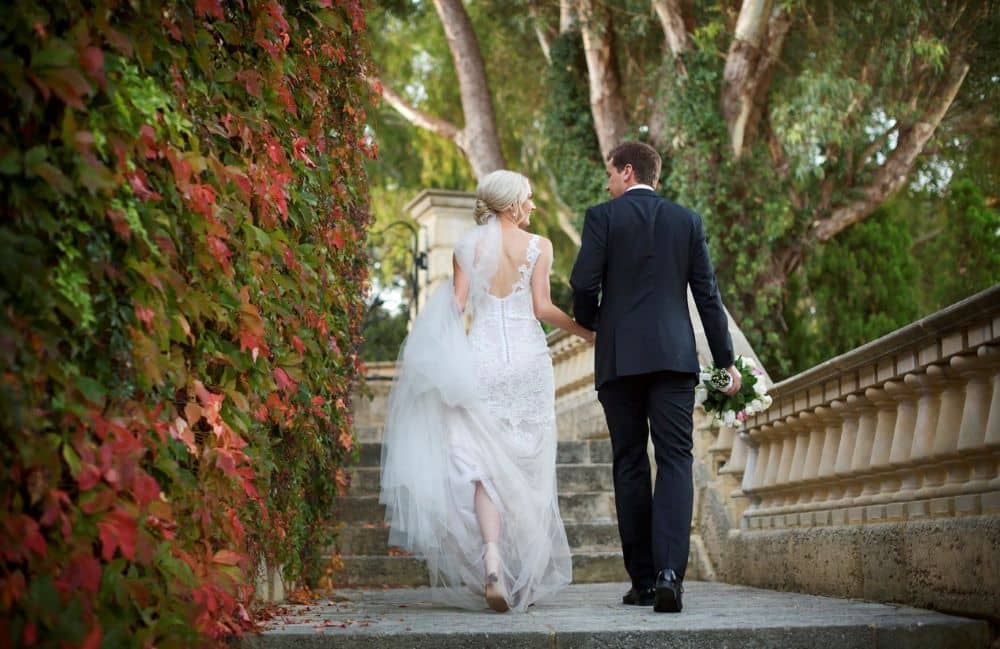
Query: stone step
(591, 616)
(589, 567)
(587, 506)
(381, 571)
(570, 478)
(378, 571)
(372, 540)
(591, 451)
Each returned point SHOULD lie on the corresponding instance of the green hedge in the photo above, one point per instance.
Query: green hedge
(184, 215)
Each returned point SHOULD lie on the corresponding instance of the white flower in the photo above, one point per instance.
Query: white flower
(729, 418)
(750, 362)
(700, 394)
(759, 387)
(757, 405)
(767, 400)
(750, 410)
(705, 376)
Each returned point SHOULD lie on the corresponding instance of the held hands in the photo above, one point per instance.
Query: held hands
(589, 336)
(737, 383)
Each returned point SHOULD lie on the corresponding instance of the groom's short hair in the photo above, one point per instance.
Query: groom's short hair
(644, 159)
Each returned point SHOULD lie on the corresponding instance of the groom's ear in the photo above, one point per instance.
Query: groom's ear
(628, 172)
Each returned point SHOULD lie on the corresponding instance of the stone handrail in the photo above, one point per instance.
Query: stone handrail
(906, 427)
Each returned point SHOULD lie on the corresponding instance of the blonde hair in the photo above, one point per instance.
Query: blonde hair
(499, 191)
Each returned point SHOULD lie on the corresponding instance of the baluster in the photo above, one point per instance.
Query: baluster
(978, 372)
(861, 459)
(815, 446)
(993, 421)
(945, 443)
(902, 436)
(848, 409)
(834, 424)
(927, 385)
(882, 444)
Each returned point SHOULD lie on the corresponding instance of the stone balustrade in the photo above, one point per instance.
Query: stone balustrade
(875, 474)
(906, 427)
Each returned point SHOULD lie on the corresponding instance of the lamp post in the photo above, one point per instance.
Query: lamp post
(419, 260)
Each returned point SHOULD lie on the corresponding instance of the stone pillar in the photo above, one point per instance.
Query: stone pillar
(442, 216)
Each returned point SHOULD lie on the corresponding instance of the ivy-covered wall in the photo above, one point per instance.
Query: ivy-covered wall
(184, 215)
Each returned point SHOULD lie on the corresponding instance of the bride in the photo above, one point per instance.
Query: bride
(469, 449)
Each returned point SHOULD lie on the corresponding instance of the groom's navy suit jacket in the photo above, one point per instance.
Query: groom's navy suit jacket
(638, 254)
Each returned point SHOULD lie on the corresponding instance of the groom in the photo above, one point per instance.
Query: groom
(638, 255)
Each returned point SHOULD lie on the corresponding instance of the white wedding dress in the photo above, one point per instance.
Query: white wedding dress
(474, 405)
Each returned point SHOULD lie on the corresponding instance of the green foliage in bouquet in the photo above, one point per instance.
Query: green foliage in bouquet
(183, 270)
(733, 410)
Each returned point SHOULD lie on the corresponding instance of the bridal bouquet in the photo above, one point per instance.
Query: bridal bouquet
(728, 410)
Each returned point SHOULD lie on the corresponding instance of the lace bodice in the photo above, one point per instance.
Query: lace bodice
(513, 362)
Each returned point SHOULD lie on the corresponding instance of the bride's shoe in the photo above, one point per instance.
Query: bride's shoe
(496, 593)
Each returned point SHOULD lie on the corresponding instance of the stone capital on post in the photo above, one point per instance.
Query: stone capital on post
(442, 216)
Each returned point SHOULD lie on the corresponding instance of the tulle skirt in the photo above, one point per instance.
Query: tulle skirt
(440, 439)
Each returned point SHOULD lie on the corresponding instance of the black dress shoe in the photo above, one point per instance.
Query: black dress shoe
(639, 596)
(668, 592)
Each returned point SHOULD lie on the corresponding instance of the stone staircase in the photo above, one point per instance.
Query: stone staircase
(586, 501)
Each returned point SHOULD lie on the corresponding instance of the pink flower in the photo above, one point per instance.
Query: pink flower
(741, 415)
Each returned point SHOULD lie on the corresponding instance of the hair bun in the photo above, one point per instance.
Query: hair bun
(482, 211)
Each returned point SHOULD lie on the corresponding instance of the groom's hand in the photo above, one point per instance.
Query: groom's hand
(737, 380)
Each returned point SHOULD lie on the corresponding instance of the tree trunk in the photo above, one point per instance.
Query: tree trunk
(567, 16)
(672, 21)
(760, 34)
(606, 102)
(479, 139)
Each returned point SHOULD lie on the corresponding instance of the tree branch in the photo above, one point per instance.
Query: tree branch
(892, 175)
(543, 33)
(414, 115)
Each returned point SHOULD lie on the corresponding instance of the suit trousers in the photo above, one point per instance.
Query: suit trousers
(655, 525)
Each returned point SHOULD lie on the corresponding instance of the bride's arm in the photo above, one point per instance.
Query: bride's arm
(541, 297)
(461, 285)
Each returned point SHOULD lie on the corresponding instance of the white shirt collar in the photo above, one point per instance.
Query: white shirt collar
(640, 186)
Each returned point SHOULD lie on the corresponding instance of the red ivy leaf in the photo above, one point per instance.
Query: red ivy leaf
(299, 147)
(145, 488)
(118, 530)
(204, 8)
(84, 572)
(88, 477)
(30, 635)
(227, 558)
(93, 639)
(284, 381)
(251, 81)
(221, 252)
(138, 181)
(145, 316)
(33, 538)
(336, 238)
